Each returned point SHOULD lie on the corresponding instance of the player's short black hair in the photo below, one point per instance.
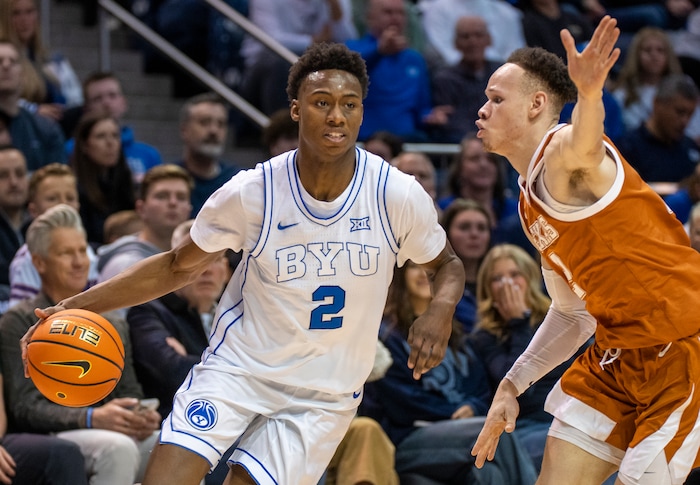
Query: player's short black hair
(549, 69)
(323, 56)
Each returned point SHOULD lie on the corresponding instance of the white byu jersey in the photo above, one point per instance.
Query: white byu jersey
(303, 307)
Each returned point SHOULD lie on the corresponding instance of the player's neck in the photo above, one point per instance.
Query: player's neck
(521, 152)
(325, 180)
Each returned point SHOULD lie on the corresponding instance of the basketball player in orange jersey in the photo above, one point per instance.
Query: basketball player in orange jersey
(616, 262)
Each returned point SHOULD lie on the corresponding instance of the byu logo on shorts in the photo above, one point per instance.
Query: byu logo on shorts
(201, 414)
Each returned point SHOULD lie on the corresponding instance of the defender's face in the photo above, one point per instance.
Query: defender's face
(504, 115)
(329, 111)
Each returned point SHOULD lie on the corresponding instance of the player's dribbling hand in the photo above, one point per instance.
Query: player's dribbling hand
(501, 417)
(41, 314)
(428, 338)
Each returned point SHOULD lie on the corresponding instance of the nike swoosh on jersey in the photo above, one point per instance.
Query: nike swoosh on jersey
(84, 365)
(355, 395)
(282, 227)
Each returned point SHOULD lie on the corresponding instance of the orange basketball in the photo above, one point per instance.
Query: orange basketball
(75, 358)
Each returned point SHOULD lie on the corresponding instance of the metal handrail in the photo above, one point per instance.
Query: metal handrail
(253, 30)
(112, 8)
(128, 19)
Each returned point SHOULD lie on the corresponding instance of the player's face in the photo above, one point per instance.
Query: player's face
(64, 270)
(166, 206)
(14, 183)
(470, 234)
(329, 111)
(103, 144)
(52, 191)
(505, 272)
(503, 118)
(417, 282)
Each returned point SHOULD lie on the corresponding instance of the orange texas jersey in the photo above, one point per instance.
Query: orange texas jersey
(626, 255)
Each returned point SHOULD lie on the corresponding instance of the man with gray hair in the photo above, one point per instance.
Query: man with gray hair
(659, 149)
(203, 130)
(114, 436)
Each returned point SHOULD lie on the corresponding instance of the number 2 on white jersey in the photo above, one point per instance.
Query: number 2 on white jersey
(324, 316)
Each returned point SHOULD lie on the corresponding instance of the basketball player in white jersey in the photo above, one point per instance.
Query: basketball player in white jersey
(293, 340)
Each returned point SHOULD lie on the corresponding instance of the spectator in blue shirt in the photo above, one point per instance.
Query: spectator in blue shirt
(103, 94)
(399, 97)
(659, 149)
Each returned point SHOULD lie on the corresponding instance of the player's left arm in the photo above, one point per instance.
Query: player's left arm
(430, 332)
(582, 144)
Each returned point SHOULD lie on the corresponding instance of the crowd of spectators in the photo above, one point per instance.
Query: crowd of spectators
(73, 175)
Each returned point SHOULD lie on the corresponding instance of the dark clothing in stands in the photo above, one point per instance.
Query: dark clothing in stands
(38, 138)
(159, 367)
(656, 161)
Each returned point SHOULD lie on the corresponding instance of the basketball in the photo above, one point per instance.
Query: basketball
(75, 358)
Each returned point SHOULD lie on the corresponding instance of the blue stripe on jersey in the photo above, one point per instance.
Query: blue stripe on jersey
(267, 209)
(256, 461)
(356, 183)
(228, 317)
(209, 445)
(231, 319)
(383, 212)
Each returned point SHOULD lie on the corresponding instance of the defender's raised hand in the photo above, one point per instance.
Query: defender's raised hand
(589, 69)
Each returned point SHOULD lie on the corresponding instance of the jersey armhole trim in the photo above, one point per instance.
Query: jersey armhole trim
(267, 210)
(382, 207)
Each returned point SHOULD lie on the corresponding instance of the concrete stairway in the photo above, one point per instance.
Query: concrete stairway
(153, 111)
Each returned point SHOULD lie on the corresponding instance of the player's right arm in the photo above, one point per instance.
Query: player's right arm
(589, 71)
(148, 279)
(578, 169)
(430, 332)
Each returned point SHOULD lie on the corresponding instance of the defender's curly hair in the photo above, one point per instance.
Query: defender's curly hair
(323, 56)
(544, 67)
